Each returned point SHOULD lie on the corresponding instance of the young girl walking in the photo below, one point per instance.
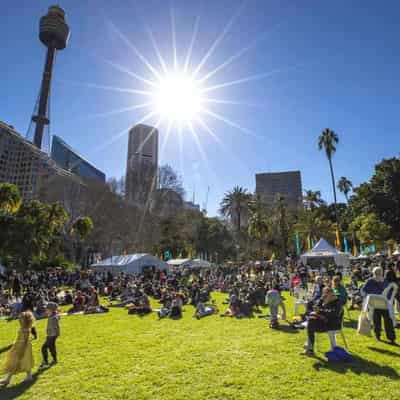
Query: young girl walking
(20, 358)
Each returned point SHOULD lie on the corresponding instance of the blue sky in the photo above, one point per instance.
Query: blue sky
(331, 64)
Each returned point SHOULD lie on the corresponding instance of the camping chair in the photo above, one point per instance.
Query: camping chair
(332, 335)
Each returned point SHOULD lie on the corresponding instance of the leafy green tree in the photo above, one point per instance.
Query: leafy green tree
(235, 205)
(344, 185)
(33, 233)
(370, 230)
(312, 199)
(10, 197)
(82, 227)
(381, 195)
(328, 141)
(282, 222)
(311, 223)
(259, 223)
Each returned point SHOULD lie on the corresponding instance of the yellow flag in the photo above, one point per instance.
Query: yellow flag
(338, 246)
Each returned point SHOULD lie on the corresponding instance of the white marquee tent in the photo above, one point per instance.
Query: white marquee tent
(180, 262)
(130, 263)
(323, 252)
(189, 263)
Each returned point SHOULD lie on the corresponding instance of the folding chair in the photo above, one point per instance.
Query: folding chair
(332, 336)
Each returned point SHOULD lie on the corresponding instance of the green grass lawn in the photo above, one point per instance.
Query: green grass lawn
(120, 356)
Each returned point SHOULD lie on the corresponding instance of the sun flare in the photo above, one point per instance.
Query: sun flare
(177, 97)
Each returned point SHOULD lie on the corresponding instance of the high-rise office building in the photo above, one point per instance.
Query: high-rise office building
(26, 166)
(287, 184)
(70, 160)
(142, 164)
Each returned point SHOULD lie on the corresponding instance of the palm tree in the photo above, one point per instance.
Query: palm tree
(235, 204)
(312, 199)
(345, 186)
(258, 221)
(328, 141)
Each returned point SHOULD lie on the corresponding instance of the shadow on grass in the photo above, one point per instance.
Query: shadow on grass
(350, 324)
(287, 329)
(5, 348)
(359, 366)
(13, 392)
(384, 351)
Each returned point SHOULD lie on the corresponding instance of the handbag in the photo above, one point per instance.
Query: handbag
(364, 326)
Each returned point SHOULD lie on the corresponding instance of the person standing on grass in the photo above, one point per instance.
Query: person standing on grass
(20, 357)
(376, 285)
(53, 332)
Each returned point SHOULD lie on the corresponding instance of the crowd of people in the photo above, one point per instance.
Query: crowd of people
(249, 288)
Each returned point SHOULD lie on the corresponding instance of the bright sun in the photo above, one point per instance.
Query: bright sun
(178, 98)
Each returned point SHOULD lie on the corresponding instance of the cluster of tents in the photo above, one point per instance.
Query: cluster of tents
(136, 263)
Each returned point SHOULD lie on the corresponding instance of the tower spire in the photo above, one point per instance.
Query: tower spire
(54, 34)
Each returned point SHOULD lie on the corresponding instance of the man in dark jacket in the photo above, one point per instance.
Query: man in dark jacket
(326, 317)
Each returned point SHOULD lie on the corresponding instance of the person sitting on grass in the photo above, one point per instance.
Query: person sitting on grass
(78, 304)
(93, 304)
(234, 307)
(274, 300)
(203, 310)
(325, 317)
(142, 306)
(176, 307)
(339, 290)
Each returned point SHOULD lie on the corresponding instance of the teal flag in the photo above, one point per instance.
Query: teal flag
(297, 243)
(346, 245)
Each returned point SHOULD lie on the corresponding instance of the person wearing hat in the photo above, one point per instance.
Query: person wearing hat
(53, 332)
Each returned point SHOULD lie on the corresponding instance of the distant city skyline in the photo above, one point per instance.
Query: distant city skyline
(296, 69)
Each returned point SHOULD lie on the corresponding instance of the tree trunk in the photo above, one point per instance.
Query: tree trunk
(334, 188)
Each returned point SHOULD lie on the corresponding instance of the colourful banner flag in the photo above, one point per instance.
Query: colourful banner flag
(308, 242)
(297, 243)
(337, 241)
(346, 245)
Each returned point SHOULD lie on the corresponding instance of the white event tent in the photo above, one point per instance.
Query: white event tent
(180, 262)
(189, 263)
(130, 263)
(324, 253)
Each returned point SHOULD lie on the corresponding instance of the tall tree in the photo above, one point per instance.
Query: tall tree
(328, 141)
(312, 199)
(168, 178)
(282, 224)
(234, 205)
(344, 185)
(370, 230)
(381, 195)
(259, 223)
